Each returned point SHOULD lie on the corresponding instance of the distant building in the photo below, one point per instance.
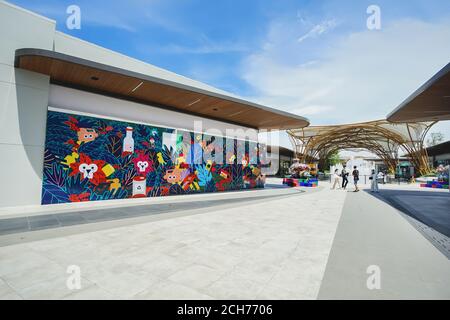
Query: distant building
(439, 154)
(284, 160)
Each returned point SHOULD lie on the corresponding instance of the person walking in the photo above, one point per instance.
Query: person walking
(337, 180)
(355, 175)
(374, 182)
(344, 175)
(381, 176)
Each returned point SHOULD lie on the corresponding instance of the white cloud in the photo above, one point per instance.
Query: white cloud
(361, 76)
(319, 29)
(204, 48)
(311, 110)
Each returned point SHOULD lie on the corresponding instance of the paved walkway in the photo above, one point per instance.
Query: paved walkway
(64, 219)
(273, 248)
(371, 232)
(277, 246)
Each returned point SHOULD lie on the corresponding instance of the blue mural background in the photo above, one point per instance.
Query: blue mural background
(89, 159)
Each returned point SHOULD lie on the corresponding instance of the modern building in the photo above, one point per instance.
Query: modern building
(80, 122)
(430, 102)
(283, 158)
(439, 154)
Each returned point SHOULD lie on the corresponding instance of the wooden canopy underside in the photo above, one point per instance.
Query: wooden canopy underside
(431, 102)
(95, 77)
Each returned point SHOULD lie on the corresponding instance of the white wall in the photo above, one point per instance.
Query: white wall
(441, 157)
(117, 109)
(23, 107)
(76, 47)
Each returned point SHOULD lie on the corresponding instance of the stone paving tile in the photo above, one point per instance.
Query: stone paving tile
(10, 296)
(55, 288)
(21, 260)
(234, 286)
(167, 290)
(270, 292)
(196, 276)
(163, 266)
(24, 278)
(6, 292)
(93, 292)
(124, 284)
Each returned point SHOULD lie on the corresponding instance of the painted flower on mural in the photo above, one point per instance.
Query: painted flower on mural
(94, 170)
(224, 178)
(79, 197)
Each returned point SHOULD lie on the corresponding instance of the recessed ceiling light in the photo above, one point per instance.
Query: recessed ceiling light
(194, 102)
(215, 109)
(135, 88)
(94, 78)
(236, 113)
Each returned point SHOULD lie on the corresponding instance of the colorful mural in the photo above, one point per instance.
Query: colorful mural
(90, 159)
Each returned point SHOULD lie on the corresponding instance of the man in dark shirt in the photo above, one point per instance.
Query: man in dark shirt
(355, 175)
(344, 175)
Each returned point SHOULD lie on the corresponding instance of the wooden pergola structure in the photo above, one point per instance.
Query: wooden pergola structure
(381, 137)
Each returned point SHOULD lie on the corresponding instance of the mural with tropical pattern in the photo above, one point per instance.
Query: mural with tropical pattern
(88, 159)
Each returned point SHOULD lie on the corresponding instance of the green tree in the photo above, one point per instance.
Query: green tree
(435, 138)
(331, 160)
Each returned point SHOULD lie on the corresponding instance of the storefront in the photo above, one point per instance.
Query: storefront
(83, 123)
(439, 154)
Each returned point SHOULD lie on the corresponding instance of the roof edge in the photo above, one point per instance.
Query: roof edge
(420, 90)
(109, 68)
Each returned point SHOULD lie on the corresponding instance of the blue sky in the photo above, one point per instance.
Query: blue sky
(314, 58)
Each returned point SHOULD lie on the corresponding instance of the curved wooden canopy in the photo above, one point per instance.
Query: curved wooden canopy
(431, 102)
(95, 77)
(380, 137)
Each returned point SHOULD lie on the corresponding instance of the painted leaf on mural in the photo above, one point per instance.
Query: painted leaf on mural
(56, 175)
(49, 159)
(114, 145)
(54, 194)
(176, 189)
(204, 176)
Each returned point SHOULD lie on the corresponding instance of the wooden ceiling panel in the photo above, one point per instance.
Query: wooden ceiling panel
(91, 76)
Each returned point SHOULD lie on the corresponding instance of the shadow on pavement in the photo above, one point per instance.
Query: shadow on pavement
(430, 208)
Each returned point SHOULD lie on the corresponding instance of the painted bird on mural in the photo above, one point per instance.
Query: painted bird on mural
(160, 158)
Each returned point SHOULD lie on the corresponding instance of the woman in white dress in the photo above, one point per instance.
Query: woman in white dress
(337, 180)
(374, 182)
